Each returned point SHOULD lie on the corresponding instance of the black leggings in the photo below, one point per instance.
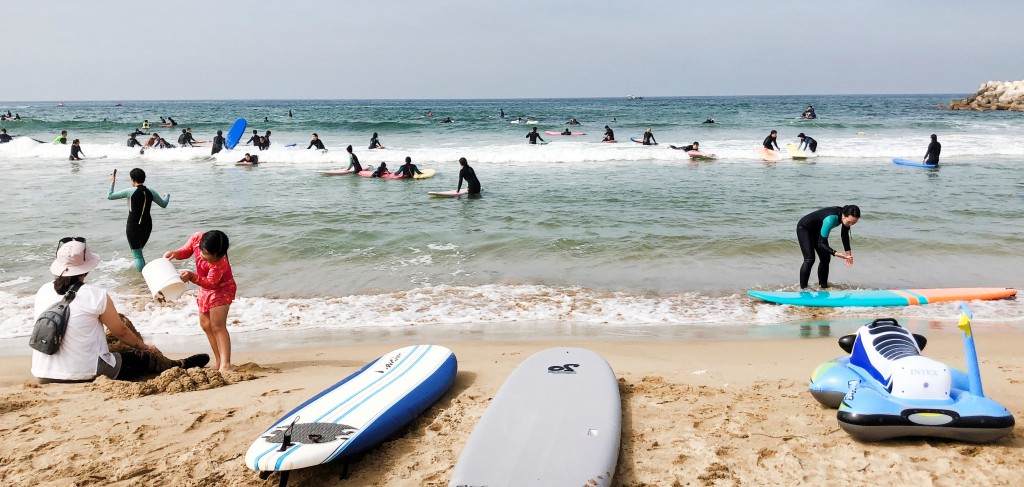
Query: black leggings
(808, 238)
(138, 234)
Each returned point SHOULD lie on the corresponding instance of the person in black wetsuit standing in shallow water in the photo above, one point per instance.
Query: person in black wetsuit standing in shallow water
(469, 175)
(771, 139)
(934, 148)
(649, 137)
(218, 143)
(533, 135)
(316, 142)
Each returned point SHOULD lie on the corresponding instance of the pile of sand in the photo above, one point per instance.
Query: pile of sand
(176, 380)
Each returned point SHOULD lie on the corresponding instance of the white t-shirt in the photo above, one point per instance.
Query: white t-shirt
(84, 341)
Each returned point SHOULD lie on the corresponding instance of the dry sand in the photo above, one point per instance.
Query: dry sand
(694, 413)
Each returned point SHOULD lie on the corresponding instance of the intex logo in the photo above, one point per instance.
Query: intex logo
(931, 372)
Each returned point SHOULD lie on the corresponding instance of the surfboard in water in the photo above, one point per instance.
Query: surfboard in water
(795, 152)
(449, 194)
(555, 421)
(338, 172)
(235, 133)
(907, 162)
(357, 413)
(892, 297)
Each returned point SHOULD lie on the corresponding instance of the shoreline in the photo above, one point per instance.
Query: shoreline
(703, 412)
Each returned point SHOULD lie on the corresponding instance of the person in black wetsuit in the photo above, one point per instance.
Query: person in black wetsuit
(812, 233)
(809, 113)
(770, 140)
(567, 131)
(163, 121)
(316, 142)
(265, 141)
(807, 143)
(501, 113)
(249, 159)
(188, 137)
(533, 135)
(133, 142)
(171, 122)
(382, 170)
(140, 201)
(649, 137)
(183, 139)
(76, 151)
(609, 135)
(4, 138)
(469, 175)
(695, 146)
(709, 120)
(374, 143)
(255, 139)
(408, 169)
(353, 161)
(218, 143)
(931, 157)
(164, 144)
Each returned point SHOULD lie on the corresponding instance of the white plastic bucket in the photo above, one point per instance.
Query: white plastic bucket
(163, 279)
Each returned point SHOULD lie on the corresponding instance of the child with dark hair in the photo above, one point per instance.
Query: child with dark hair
(140, 202)
(217, 289)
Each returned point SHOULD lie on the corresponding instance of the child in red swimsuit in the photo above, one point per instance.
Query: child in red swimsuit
(217, 289)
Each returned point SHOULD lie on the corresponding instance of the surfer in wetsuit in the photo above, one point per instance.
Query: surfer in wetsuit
(609, 135)
(374, 143)
(255, 139)
(709, 120)
(382, 170)
(695, 146)
(171, 122)
(469, 175)
(931, 157)
(76, 151)
(145, 125)
(188, 137)
(572, 121)
(807, 143)
(140, 200)
(501, 113)
(812, 233)
(218, 143)
(408, 169)
(533, 135)
(809, 113)
(133, 142)
(316, 142)
(567, 131)
(4, 138)
(62, 138)
(770, 140)
(249, 159)
(265, 141)
(183, 139)
(353, 161)
(649, 137)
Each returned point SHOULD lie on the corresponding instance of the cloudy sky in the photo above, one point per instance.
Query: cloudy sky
(116, 50)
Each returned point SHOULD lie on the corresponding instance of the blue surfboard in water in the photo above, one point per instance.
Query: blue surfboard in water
(905, 162)
(235, 134)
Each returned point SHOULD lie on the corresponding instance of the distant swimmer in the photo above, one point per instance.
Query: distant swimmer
(133, 142)
(408, 169)
(171, 122)
(447, 120)
(145, 125)
(469, 175)
(139, 132)
(4, 138)
(265, 141)
(374, 143)
(353, 161)
(266, 119)
(62, 138)
(533, 135)
(934, 148)
(289, 113)
(218, 143)
(709, 120)
(163, 120)
(572, 121)
(771, 139)
(649, 137)
(249, 159)
(609, 135)
(382, 170)
(255, 139)
(501, 113)
(316, 142)
(76, 151)
(809, 113)
(812, 234)
(567, 131)
(807, 143)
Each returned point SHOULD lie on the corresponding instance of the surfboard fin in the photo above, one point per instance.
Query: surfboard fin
(287, 440)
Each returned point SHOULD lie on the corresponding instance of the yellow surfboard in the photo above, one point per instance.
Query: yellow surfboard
(426, 173)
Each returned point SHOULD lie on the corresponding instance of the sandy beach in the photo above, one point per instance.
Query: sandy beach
(694, 413)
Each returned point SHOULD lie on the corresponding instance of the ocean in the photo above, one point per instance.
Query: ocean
(572, 237)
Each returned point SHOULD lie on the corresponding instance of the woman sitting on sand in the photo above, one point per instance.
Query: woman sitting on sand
(84, 353)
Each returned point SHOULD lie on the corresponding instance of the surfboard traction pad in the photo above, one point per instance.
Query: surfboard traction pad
(312, 433)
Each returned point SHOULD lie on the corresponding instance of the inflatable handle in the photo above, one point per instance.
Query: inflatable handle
(971, 354)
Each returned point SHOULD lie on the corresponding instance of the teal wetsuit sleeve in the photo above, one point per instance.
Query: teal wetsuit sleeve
(124, 193)
(827, 224)
(158, 199)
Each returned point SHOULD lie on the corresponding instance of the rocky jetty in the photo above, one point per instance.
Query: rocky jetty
(994, 95)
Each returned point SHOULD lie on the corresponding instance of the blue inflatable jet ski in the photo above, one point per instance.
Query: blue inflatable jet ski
(886, 389)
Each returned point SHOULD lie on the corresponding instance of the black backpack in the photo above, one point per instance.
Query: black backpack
(52, 323)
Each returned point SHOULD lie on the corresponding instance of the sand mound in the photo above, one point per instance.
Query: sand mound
(177, 380)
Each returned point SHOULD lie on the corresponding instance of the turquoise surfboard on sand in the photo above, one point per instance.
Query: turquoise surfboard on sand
(891, 297)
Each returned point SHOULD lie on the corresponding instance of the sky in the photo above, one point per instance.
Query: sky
(65, 50)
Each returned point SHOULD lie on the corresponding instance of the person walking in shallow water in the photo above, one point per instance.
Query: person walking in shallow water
(533, 135)
(931, 157)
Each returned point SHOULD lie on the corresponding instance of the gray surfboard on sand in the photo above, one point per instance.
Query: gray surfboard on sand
(555, 422)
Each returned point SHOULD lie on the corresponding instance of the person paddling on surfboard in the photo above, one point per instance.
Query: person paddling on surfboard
(469, 175)
(353, 161)
(533, 135)
(695, 146)
(931, 157)
(771, 139)
(812, 233)
(316, 142)
(807, 143)
(408, 169)
(249, 159)
(382, 170)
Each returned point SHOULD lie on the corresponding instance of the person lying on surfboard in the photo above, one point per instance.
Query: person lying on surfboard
(382, 170)
(249, 159)
(695, 146)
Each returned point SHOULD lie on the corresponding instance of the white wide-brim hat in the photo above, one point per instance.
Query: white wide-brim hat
(74, 259)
